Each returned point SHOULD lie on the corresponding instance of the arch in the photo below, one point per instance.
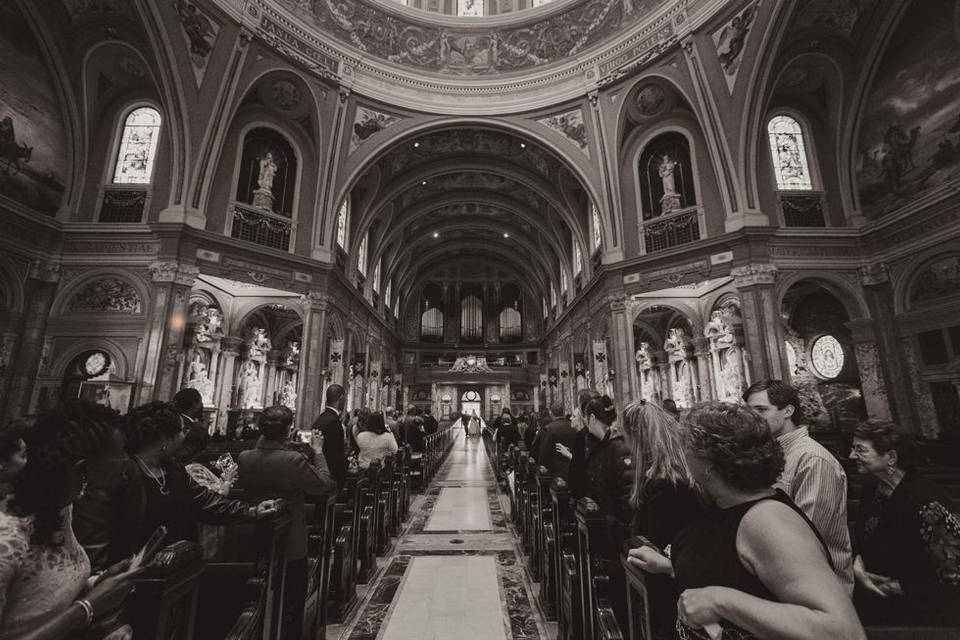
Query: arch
(66, 295)
(850, 297)
(149, 116)
(785, 117)
(247, 309)
(678, 307)
(906, 283)
(638, 148)
(71, 352)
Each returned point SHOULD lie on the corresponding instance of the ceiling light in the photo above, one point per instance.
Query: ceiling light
(506, 235)
(436, 234)
(416, 145)
(423, 184)
(523, 145)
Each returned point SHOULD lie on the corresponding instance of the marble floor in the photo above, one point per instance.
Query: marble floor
(456, 571)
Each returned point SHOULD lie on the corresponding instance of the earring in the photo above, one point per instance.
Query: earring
(83, 490)
(163, 447)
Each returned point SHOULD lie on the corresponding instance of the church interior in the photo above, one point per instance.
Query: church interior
(470, 209)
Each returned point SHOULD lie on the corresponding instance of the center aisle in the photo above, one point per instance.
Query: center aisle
(455, 572)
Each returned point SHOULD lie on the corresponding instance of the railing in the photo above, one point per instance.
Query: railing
(261, 227)
(672, 230)
(123, 204)
(802, 209)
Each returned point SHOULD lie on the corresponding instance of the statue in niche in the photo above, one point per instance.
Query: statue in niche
(250, 383)
(259, 344)
(671, 199)
(268, 169)
(288, 396)
(210, 326)
(292, 355)
(731, 383)
(676, 342)
(199, 379)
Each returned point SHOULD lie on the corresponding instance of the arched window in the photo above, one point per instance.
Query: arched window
(553, 296)
(595, 226)
(471, 314)
(388, 293)
(138, 147)
(343, 219)
(431, 320)
(790, 163)
(469, 7)
(546, 309)
(666, 175)
(376, 276)
(362, 257)
(577, 260)
(564, 284)
(511, 316)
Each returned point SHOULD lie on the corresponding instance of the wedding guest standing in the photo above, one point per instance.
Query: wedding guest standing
(330, 426)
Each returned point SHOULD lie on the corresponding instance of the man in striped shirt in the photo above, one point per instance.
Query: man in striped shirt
(812, 476)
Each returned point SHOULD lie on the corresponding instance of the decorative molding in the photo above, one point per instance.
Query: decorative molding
(873, 274)
(750, 275)
(112, 295)
(45, 271)
(569, 124)
(171, 271)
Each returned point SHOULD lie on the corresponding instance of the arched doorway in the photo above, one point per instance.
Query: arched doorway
(471, 403)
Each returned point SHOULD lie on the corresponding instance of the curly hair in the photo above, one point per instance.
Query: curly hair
(736, 442)
(887, 436)
(74, 431)
(150, 423)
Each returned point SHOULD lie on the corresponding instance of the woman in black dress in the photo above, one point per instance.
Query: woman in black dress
(752, 566)
(907, 536)
(664, 497)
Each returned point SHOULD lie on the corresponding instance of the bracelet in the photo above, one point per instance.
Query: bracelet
(87, 610)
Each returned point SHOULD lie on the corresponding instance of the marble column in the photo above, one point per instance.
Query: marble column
(223, 395)
(872, 382)
(621, 341)
(310, 384)
(270, 383)
(927, 424)
(42, 281)
(904, 394)
(701, 350)
(165, 328)
(662, 372)
(763, 329)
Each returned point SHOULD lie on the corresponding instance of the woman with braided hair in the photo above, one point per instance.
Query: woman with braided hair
(752, 566)
(162, 492)
(45, 587)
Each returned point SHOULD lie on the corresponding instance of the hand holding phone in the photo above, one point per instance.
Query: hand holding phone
(149, 549)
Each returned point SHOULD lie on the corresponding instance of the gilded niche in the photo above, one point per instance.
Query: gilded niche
(471, 51)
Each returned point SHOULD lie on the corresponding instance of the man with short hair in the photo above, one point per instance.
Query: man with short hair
(189, 404)
(558, 431)
(334, 439)
(812, 476)
(273, 470)
(430, 423)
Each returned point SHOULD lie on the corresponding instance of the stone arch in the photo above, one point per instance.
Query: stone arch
(849, 295)
(117, 357)
(122, 292)
(906, 287)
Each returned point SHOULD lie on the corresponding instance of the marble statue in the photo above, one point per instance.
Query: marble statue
(268, 169)
(288, 397)
(210, 326)
(259, 343)
(292, 356)
(671, 199)
(199, 379)
(250, 383)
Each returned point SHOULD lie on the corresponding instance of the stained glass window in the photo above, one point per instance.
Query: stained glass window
(342, 219)
(827, 357)
(577, 260)
(789, 153)
(595, 223)
(546, 309)
(138, 147)
(362, 256)
(388, 294)
(563, 281)
(553, 295)
(469, 7)
(376, 277)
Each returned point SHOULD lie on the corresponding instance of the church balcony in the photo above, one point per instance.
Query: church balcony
(673, 229)
(123, 203)
(261, 227)
(802, 208)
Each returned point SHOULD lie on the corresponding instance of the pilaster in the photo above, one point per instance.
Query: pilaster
(762, 326)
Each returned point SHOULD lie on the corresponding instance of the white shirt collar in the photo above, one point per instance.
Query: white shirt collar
(334, 409)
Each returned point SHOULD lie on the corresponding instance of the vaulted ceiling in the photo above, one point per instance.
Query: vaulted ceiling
(454, 197)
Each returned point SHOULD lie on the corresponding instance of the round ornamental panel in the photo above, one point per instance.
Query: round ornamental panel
(827, 357)
(96, 364)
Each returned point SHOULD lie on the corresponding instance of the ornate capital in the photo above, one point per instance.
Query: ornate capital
(701, 345)
(873, 274)
(172, 271)
(314, 300)
(231, 344)
(750, 275)
(44, 271)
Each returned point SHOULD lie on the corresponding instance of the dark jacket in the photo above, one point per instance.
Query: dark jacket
(430, 424)
(508, 434)
(272, 470)
(577, 476)
(545, 448)
(609, 477)
(187, 503)
(334, 445)
(414, 433)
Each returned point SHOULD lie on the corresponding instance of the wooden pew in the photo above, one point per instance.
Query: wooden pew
(384, 524)
(164, 604)
(240, 597)
(532, 516)
(547, 546)
(638, 605)
(343, 574)
(596, 592)
(367, 538)
(569, 612)
(321, 519)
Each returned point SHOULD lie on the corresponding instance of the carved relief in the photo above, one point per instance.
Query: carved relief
(938, 280)
(569, 124)
(111, 295)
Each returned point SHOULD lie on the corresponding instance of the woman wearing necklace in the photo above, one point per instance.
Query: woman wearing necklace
(162, 493)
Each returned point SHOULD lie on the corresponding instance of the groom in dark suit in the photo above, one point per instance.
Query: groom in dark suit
(334, 441)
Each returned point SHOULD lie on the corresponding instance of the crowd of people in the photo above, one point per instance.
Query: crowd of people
(735, 513)
(738, 517)
(83, 489)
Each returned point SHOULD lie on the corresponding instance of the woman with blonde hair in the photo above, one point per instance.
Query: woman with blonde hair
(664, 497)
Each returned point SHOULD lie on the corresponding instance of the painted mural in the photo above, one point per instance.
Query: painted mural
(909, 142)
(33, 142)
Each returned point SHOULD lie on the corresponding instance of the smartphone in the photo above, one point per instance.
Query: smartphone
(149, 549)
(306, 436)
(226, 462)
